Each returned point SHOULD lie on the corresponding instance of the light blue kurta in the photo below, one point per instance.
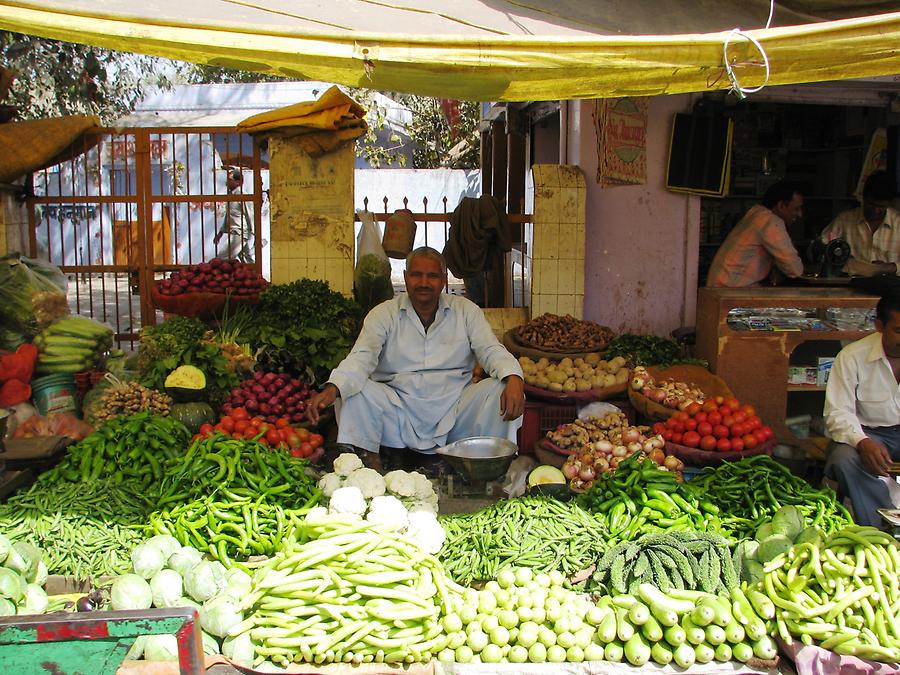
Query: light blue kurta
(423, 373)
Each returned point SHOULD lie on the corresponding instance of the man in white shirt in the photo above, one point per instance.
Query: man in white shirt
(862, 413)
(407, 382)
(872, 230)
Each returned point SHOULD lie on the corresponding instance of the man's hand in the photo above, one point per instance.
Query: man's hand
(512, 400)
(874, 456)
(320, 401)
(217, 238)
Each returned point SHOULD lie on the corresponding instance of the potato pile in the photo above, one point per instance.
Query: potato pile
(581, 374)
(555, 333)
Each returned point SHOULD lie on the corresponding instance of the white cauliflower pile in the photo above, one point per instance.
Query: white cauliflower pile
(400, 501)
(413, 489)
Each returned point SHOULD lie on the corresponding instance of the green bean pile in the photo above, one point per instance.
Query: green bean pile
(137, 446)
(238, 528)
(84, 529)
(350, 593)
(751, 490)
(219, 461)
(537, 532)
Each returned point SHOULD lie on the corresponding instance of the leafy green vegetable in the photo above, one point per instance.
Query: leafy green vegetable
(372, 281)
(649, 350)
(180, 341)
(303, 327)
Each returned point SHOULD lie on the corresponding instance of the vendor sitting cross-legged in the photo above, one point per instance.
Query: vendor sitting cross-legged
(407, 382)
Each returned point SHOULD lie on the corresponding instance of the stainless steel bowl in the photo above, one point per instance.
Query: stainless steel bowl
(480, 457)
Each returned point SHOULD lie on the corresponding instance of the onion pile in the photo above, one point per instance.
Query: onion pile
(603, 456)
(668, 393)
(270, 396)
(215, 276)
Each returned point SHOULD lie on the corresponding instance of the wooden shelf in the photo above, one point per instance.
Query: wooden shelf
(755, 364)
(805, 387)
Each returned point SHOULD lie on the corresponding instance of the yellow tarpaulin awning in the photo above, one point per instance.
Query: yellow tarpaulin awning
(320, 126)
(493, 50)
(35, 144)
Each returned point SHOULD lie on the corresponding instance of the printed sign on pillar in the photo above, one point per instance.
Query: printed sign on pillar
(621, 126)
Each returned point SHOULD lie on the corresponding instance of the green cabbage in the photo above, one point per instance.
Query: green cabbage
(23, 558)
(39, 574)
(237, 583)
(5, 547)
(239, 649)
(130, 591)
(166, 587)
(184, 559)
(137, 649)
(204, 580)
(147, 560)
(35, 600)
(210, 644)
(166, 543)
(161, 648)
(219, 615)
(11, 585)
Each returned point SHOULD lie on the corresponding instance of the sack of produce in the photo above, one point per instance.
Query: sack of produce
(372, 278)
(21, 280)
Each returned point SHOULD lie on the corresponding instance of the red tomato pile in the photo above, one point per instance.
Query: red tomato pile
(298, 441)
(718, 424)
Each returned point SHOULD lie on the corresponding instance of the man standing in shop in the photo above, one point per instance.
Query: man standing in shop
(872, 230)
(237, 224)
(760, 241)
(407, 383)
(862, 413)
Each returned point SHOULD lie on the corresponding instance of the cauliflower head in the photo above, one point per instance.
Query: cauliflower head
(400, 483)
(348, 500)
(389, 512)
(329, 483)
(425, 530)
(318, 514)
(369, 482)
(346, 463)
(424, 488)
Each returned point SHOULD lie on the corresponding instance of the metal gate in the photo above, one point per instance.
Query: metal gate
(129, 205)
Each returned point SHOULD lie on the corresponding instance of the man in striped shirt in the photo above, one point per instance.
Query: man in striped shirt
(872, 230)
(760, 241)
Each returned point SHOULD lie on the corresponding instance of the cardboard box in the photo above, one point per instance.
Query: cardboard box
(824, 370)
(796, 375)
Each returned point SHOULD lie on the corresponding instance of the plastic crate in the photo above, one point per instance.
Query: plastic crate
(539, 418)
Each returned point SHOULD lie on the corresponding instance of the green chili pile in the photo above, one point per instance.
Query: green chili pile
(137, 446)
(219, 461)
(751, 490)
(639, 498)
(234, 498)
(541, 533)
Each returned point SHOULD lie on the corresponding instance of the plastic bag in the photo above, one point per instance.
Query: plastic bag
(21, 279)
(372, 277)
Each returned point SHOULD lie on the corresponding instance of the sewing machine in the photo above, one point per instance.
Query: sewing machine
(828, 259)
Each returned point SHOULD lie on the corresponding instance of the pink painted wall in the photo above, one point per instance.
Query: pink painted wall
(641, 241)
